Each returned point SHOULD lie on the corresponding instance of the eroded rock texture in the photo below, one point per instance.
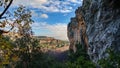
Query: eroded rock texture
(77, 31)
(102, 26)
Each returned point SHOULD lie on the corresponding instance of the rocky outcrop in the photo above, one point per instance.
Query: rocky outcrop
(77, 31)
(101, 20)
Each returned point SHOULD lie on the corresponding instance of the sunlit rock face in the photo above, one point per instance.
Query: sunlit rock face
(77, 31)
(102, 26)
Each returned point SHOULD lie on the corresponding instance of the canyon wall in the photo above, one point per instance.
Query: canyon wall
(97, 26)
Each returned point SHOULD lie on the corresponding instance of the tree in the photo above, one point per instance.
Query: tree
(26, 43)
(21, 20)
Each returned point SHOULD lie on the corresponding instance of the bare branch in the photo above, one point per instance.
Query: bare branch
(6, 9)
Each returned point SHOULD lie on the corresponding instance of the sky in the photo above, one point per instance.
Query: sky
(50, 16)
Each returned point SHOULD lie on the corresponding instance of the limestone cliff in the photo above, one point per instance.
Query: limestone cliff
(96, 25)
(77, 31)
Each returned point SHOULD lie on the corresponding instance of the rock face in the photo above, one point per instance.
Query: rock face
(101, 20)
(77, 31)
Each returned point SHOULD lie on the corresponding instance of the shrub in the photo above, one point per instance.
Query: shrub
(112, 61)
(80, 59)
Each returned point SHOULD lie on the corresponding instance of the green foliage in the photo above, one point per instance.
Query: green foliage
(81, 62)
(36, 59)
(28, 52)
(23, 19)
(25, 44)
(80, 59)
(22, 14)
(5, 50)
(112, 61)
(40, 60)
(81, 51)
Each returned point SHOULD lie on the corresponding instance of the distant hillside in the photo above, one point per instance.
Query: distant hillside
(50, 41)
(43, 37)
(43, 40)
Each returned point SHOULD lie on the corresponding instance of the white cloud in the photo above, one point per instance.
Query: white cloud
(58, 31)
(34, 13)
(73, 0)
(44, 16)
(50, 5)
(76, 1)
(29, 2)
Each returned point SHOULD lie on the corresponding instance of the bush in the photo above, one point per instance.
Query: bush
(80, 59)
(5, 50)
(112, 61)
